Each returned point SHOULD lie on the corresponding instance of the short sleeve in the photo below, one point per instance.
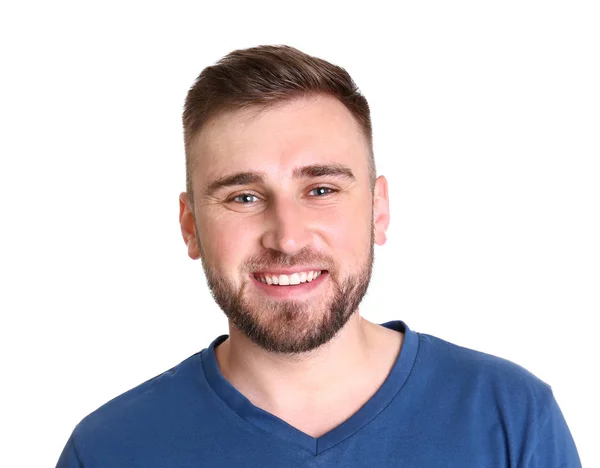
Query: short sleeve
(68, 457)
(554, 447)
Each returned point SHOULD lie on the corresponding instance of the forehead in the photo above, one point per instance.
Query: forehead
(317, 130)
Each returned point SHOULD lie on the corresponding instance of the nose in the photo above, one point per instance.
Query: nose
(286, 227)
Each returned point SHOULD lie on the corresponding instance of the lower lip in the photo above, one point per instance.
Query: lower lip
(289, 291)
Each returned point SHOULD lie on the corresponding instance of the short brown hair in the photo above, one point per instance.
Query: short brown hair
(263, 76)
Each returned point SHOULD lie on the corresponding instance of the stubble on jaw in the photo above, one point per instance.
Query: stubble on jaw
(290, 327)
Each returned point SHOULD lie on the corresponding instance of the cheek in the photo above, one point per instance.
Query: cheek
(348, 231)
(226, 242)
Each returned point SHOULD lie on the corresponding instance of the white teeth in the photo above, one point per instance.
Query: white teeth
(293, 279)
(284, 280)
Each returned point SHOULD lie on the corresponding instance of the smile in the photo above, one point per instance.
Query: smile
(288, 280)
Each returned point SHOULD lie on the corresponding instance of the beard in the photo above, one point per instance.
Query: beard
(291, 326)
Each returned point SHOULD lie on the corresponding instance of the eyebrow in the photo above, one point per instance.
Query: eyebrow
(320, 170)
(304, 172)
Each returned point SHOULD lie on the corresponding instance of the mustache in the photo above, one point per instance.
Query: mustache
(274, 258)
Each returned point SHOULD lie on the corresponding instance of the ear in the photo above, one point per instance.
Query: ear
(381, 210)
(188, 227)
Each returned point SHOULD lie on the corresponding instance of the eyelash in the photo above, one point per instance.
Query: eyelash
(233, 199)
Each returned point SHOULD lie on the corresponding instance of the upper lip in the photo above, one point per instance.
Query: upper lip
(287, 271)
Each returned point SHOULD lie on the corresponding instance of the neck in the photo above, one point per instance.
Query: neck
(313, 379)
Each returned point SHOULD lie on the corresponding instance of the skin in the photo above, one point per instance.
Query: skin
(284, 221)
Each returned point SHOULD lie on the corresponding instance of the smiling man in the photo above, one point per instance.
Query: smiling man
(283, 208)
(284, 224)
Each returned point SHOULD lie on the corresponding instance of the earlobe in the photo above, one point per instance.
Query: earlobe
(188, 226)
(381, 210)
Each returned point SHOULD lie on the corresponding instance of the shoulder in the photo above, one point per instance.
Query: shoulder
(440, 353)
(485, 377)
(144, 405)
(505, 401)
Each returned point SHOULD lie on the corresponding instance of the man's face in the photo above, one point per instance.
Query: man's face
(285, 220)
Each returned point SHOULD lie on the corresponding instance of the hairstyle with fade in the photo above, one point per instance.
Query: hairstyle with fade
(264, 76)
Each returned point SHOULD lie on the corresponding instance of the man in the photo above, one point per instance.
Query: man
(283, 208)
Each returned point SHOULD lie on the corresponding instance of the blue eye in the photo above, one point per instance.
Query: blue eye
(320, 191)
(245, 199)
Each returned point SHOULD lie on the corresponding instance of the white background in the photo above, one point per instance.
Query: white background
(486, 122)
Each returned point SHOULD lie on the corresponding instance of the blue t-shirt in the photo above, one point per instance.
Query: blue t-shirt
(441, 406)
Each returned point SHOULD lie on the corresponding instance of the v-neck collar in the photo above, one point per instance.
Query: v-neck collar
(273, 425)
